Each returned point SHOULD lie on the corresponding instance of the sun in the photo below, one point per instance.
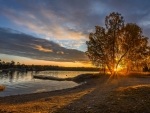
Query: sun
(115, 69)
(119, 68)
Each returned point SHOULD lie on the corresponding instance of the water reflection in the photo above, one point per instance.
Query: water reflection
(12, 76)
(23, 82)
(62, 74)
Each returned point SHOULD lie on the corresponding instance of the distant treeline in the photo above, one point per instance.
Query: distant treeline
(17, 66)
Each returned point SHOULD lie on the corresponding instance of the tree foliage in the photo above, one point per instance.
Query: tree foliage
(118, 44)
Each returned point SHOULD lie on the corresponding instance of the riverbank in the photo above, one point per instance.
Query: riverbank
(99, 94)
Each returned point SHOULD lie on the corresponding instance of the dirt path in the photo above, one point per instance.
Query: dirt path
(84, 98)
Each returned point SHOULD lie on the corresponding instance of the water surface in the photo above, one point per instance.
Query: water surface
(24, 83)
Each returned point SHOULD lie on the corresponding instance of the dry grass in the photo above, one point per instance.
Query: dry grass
(43, 105)
(139, 74)
(133, 99)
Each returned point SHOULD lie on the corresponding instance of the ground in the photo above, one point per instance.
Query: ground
(98, 95)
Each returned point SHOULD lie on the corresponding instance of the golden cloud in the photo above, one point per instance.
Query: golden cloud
(60, 52)
(40, 48)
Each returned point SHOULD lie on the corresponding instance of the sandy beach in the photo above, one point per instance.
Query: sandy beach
(98, 94)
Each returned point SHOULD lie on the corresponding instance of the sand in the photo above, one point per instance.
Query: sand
(94, 96)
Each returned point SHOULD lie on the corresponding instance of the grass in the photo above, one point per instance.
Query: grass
(131, 99)
(134, 99)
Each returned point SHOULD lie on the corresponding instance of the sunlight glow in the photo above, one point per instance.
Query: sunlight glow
(30, 61)
(119, 68)
(115, 69)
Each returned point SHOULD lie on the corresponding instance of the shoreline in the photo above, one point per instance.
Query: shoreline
(77, 99)
(78, 79)
(83, 79)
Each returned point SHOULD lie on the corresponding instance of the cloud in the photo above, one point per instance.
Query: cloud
(61, 20)
(45, 23)
(72, 20)
(40, 48)
(20, 44)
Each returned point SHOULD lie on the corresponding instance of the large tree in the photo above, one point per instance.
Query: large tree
(117, 45)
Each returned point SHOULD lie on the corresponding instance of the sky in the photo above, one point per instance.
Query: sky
(54, 32)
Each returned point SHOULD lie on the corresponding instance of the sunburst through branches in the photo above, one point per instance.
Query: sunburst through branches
(118, 46)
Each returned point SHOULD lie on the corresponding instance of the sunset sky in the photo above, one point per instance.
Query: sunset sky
(54, 32)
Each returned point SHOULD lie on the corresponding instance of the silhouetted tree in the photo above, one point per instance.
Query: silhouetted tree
(117, 44)
(18, 65)
(0, 64)
(134, 46)
(12, 63)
